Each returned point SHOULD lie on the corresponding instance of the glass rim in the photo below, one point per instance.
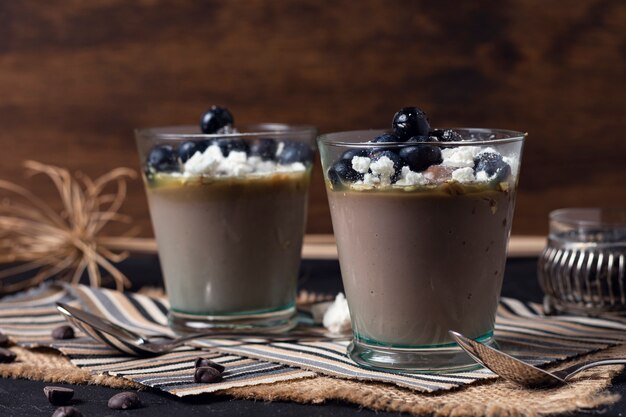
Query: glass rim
(186, 132)
(512, 136)
(589, 216)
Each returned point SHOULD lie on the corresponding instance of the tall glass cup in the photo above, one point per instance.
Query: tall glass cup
(228, 212)
(422, 242)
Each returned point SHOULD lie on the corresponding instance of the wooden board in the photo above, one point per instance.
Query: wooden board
(76, 77)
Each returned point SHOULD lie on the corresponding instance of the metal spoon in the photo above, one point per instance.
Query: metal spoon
(520, 372)
(129, 342)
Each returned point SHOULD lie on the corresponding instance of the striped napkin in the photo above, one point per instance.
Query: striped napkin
(521, 330)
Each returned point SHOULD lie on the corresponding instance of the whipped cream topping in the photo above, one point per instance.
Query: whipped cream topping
(212, 162)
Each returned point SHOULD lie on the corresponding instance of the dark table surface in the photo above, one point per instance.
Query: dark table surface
(25, 398)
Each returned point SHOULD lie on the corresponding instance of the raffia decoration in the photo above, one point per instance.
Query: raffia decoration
(45, 243)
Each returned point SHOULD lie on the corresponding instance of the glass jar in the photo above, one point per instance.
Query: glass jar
(581, 270)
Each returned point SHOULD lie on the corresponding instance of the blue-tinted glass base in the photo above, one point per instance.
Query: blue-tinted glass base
(423, 359)
(267, 321)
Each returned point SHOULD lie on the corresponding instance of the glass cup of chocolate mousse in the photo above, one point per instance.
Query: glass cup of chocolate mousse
(228, 208)
(422, 219)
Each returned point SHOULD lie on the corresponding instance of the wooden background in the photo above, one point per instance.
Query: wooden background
(76, 76)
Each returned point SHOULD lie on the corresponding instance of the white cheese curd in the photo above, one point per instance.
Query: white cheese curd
(361, 164)
(371, 179)
(212, 162)
(464, 175)
(294, 167)
(460, 157)
(409, 178)
(384, 169)
(481, 176)
(206, 162)
(337, 317)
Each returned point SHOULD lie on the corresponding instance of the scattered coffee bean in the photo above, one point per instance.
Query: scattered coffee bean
(67, 412)
(203, 362)
(63, 332)
(58, 395)
(124, 401)
(6, 356)
(207, 375)
(4, 340)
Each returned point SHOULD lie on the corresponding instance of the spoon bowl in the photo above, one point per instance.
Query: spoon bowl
(132, 343)
(520, 372)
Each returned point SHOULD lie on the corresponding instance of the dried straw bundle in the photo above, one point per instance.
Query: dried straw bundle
(47, 244)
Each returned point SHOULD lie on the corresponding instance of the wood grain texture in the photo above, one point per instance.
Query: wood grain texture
(76, 77)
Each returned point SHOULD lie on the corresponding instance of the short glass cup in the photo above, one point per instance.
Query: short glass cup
(228, 212)
(583, 267)
(422, 248)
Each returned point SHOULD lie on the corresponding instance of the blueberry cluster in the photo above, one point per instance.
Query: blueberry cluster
(216, 120)
(409, 125)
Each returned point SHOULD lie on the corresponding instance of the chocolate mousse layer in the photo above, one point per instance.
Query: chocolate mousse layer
(234, 242)
(417, 263)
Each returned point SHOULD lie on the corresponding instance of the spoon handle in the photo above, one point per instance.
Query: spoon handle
(570, 371)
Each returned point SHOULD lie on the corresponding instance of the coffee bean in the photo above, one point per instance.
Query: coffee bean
(58, 395)
(67, 412)
(124, 401)
(63, 332)
(6, 356)
(4, 340)
(203, 362)
(207, 375)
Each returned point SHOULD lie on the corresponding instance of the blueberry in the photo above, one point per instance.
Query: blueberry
(188, 149)
(492, 164)
(398, 161)
(228, 145)
(384, 138)
(410, 121)
(216, 118)
(419, 139)
(437, 133)
(162, 158)
(264, 148)
(349, 154)
(419, 158)
(342, 171)
(295, 152)
(450, 135)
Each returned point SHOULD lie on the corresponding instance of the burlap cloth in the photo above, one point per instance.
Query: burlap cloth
(489, 398)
